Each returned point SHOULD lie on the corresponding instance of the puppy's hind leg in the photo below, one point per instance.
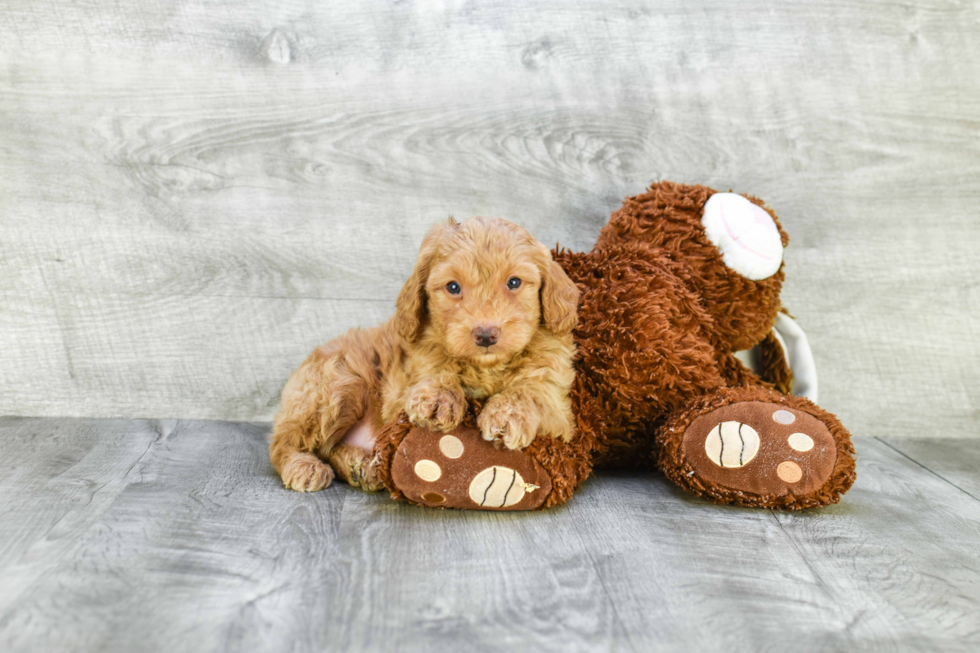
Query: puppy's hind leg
(323, 398)
(352, 458)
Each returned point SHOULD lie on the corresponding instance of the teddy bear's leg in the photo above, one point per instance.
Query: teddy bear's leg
(732, 246)
(459, 469)
(752, 446)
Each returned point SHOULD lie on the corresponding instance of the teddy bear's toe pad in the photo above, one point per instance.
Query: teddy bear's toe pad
(762, 448)
(745, 234)
(460, 469)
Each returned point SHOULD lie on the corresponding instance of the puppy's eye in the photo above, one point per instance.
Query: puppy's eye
(513, 283)
(453, 288)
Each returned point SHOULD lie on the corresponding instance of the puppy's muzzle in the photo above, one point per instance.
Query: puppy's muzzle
(486, 335)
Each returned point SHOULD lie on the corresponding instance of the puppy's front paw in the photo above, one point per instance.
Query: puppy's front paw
(509, 421)
(435, 406)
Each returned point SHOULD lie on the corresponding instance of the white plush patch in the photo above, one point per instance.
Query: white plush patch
(732, 444)
(745, 234)
(499, 487)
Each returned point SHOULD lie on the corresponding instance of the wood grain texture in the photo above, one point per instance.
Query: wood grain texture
(176, 535)
(193, 195)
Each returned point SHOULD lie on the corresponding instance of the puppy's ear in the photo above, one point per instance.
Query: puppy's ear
(411, 305)
(559, 296)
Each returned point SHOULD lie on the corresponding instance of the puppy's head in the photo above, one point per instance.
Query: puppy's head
(482, 288)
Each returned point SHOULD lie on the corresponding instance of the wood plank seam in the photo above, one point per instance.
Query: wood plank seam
(936, 474)
(609, 596)
(821, 582)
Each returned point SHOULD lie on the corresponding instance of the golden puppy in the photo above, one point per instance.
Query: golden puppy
(486, 313)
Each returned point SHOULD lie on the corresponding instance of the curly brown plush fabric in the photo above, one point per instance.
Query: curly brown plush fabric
(659, 317)
(668, 218)
(770, 360)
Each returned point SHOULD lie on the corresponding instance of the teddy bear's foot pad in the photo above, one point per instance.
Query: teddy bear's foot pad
(460, 469)
(761, 448)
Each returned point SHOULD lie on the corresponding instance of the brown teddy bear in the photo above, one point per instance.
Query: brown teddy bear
(681, 278)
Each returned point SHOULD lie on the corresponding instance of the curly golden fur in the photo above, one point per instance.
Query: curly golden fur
(462, 328)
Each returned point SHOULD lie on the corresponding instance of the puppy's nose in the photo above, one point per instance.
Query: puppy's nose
(486, 335)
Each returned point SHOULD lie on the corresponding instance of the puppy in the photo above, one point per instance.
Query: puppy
(486, 313)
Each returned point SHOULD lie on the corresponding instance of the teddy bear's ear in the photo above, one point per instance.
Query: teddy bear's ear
(559, 296)
(411, 305)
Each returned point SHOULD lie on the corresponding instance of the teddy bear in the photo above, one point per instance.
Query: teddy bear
(681, 278)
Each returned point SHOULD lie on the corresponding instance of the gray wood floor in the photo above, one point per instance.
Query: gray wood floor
(175, 535)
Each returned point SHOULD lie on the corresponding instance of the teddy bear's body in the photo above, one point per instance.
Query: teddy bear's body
(676, 284)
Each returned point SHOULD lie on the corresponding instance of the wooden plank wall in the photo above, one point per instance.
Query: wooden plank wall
(194, 194)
